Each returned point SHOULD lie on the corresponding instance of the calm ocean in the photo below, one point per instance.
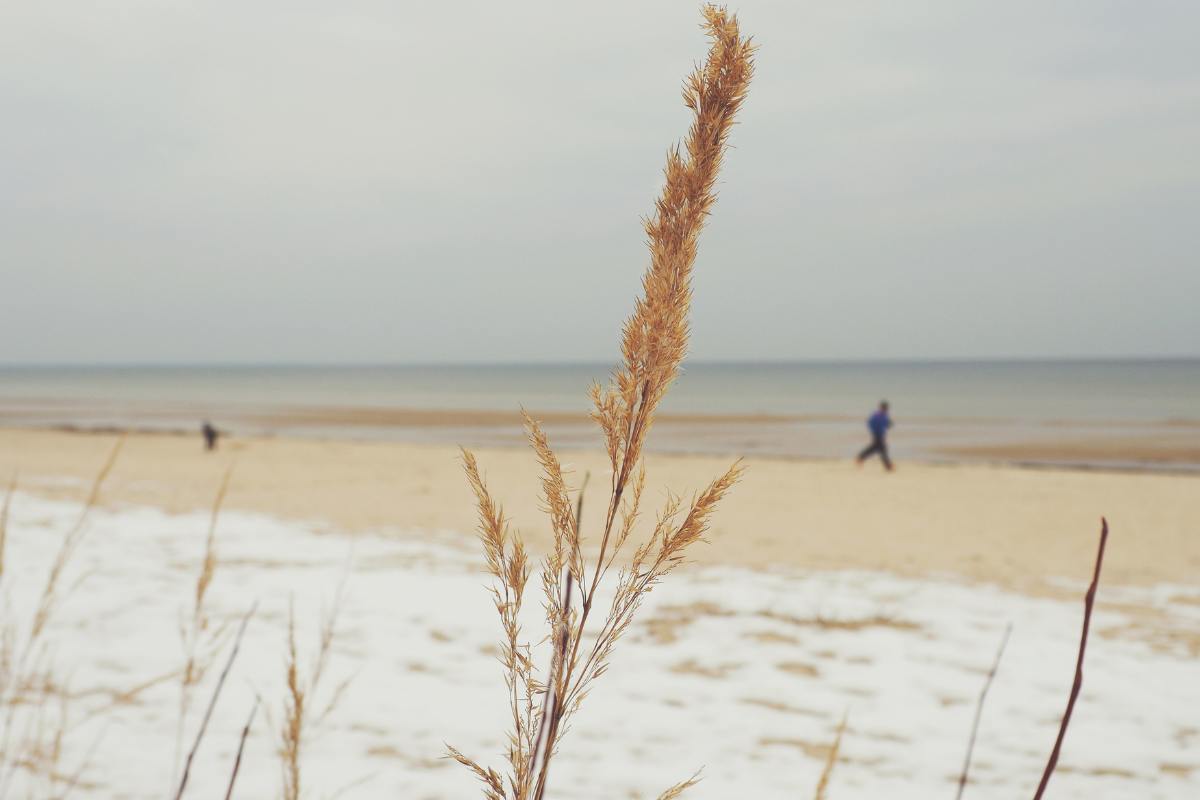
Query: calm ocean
(1126, 390)
(937, 404)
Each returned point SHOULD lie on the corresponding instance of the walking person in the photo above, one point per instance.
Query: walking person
(878, 424)
(210, 435)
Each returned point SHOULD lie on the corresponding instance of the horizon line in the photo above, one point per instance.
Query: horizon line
(767, 362)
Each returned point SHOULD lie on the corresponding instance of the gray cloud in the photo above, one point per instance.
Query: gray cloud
(375, 181)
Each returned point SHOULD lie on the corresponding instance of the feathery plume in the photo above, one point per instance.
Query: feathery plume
(680, 788)
(654, 341)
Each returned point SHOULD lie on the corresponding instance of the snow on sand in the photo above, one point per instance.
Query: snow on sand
(742, 673)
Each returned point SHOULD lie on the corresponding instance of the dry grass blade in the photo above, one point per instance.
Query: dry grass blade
(70, 542)
(301, 690)
(73, 781)
(196, 660)
(508, 564)
(830, 761)
(212, 703)
(237, 759)
(27, 679)
(492, 782)
(987, 684)
(12, 488)
(293, 716)
(680, 788)
(1089, 601)
(565, 552)
(209, 565)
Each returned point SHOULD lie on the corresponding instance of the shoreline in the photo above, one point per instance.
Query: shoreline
(678, 434)
(1019, 528)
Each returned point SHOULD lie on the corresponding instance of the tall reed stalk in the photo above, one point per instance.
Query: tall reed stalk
(34, 701)
(299, 715)
(1089, 603)
(12, 489)
(653, 344)
(200, 640)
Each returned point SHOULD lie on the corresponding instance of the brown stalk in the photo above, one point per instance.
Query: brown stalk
(237, 760)
(1089, 601)
(548, 731)
(209, 565)
(212, 703)
(577, 554)
(302, 690)
(830, 761)
(987, 684)
(12, 488)
(293, 716)
(73, 780)
(196, 666)
(67, 549)
(26, 684)
(553, 698)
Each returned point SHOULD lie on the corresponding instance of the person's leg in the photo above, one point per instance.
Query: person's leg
(871, 449)
(883, 453)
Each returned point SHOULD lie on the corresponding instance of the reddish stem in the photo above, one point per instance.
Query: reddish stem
(1089, 601)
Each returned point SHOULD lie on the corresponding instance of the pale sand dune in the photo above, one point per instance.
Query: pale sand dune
(1021, 528)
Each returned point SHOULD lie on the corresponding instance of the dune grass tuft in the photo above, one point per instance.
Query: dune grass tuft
(299, 715)
(200, 641)
(653, 344)
(35, 713)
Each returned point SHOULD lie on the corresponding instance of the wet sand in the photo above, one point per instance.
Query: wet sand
(1182, 450)
(1165, 445)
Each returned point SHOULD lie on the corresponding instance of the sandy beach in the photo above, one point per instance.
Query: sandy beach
(1020, 528)
(383, 416)
(824, 590)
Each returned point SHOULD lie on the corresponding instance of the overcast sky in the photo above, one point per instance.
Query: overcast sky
(411, 182)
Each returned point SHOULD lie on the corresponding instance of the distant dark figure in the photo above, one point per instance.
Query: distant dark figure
(878, 424)
(210, 435)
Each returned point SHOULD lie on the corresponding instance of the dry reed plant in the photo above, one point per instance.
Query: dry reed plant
(8, 496)
(212, 704)
(200, 640)
(1089, 603)
(964, 776)
(679, 788)
(653, 344)
(70, 543)
(34, 700)
(821, 792)
(298, 718)
(237, 759)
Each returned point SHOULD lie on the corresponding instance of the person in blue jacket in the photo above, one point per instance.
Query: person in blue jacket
(878, 424)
